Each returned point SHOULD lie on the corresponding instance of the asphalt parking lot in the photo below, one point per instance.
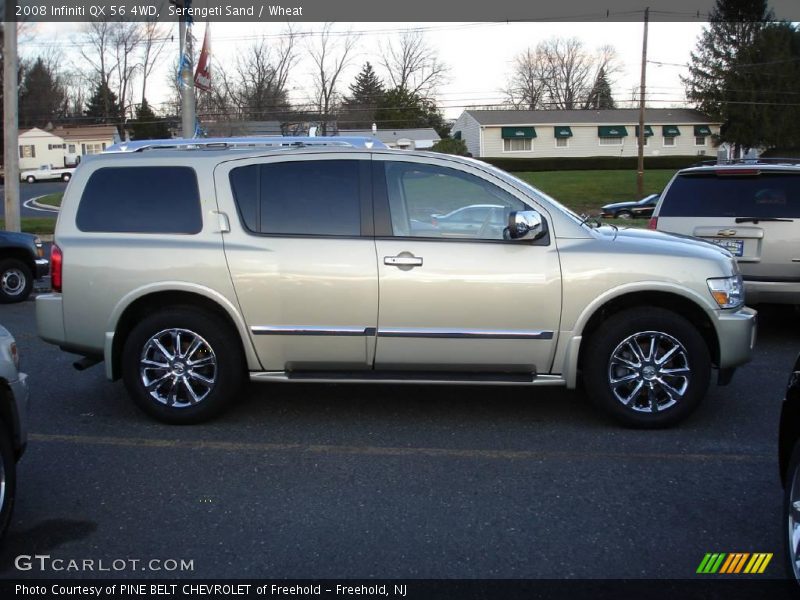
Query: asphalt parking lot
(345, 481)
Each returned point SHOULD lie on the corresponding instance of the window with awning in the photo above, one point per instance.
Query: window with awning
(518, 133)
(702, 130)
(648, 131)
(612, 131)
(562, 131)
(670, 131)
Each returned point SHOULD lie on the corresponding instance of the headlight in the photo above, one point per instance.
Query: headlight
(727, 291)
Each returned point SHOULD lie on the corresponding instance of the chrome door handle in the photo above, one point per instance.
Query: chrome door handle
(402, 261)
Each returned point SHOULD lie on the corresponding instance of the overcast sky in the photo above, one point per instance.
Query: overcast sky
(479, 55)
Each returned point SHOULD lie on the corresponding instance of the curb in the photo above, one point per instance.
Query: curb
(45, 207)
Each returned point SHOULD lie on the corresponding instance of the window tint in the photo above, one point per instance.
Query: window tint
(313, 197)
(141, 200)
(438, 202)
(765, 195)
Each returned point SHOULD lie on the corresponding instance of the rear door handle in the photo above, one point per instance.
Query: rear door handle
(403, 261)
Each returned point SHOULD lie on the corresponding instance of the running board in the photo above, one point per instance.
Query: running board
(414, 377)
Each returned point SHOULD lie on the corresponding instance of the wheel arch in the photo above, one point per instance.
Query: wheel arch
(141, 303)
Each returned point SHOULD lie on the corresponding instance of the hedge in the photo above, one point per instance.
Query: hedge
(594, 163)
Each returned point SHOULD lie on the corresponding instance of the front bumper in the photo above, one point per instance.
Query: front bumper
(736, 333)
(19, 390)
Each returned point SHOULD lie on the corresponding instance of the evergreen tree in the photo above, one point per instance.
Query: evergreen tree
(733, 27)
(42, 98)
(401, 109)
(600, 95)
(103, 106)
(147, 126)
(366, 93)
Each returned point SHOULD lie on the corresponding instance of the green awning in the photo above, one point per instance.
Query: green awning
(670, 130)
(702, 130)
(648, 131)
(612, 131)
(518, 133)
(562, 131)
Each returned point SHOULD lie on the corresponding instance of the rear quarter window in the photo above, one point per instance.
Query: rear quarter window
(141, 200)
(775, 195)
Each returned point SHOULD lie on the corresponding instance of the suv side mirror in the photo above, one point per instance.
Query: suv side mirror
(525, 225)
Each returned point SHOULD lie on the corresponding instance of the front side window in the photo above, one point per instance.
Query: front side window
(311, 197)
(141, 200)
(437, 202)
(517, 145)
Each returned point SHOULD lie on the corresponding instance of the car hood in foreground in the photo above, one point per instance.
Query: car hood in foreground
(647, 241)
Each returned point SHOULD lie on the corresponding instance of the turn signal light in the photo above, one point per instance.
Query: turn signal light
(56, 267)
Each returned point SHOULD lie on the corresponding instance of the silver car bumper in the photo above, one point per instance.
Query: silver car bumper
(19, 390)
(737, 330)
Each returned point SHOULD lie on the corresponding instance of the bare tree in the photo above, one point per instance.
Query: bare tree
(412, 65)
(125, 39)
(153, 42)
(526, 88)
(330, 56)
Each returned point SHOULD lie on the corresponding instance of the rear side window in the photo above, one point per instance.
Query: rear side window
(313, 197)
(141, 200)
(774, 195)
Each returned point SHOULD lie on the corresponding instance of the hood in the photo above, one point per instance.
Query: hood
(628, 204)
(648, 241)
(17, 237)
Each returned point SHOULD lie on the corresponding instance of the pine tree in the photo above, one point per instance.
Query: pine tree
(600, 96)
(401, 109)
(366, 93)
(147, 126)
(41, 97)
(102, 106)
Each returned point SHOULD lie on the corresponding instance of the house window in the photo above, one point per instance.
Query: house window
(611, 141)
(562, 142)
(71, 149)
(669, 141)
(27, 151)
(55, 146)
(94, 148)
(517, 145)
(700, 140)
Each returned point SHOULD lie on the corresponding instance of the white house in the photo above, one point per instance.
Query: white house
(405, 139)
(38, 147)
(89, 139)
(583, 133)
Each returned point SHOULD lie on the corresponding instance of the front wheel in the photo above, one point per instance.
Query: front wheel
(648, 367)
(791, 515)
(30, 179)
(182, 365)
(624, 214)
(65, 177)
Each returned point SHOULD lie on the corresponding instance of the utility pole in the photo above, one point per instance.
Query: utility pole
(186, 79)
(11, 120)
(640, 163)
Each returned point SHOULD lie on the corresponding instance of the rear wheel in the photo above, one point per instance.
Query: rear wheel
(65, 177)
(16, 281)
(182, 365)
(648, 367)
(791, 513)
(30, 179)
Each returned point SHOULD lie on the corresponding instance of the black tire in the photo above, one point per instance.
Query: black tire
(646, 383)
(16, 281)
(30, 179)
(66, 177)
(791, 494)
(219, 356)
(625, 214)
(8, 478)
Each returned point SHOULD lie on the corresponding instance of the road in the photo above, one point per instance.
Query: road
(33, 190)
(346, 481)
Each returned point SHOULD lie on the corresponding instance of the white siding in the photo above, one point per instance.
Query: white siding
(585, 142)
(41, 141)
(470, 133)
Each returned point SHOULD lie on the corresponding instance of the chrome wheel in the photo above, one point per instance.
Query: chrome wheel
(13, 281)
(649, 372)
(178, 368)
(794, 524)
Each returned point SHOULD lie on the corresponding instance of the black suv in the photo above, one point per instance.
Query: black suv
(21, 261)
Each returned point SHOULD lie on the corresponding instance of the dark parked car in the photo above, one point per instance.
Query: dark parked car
(635, 209)
(21, 261)
(789, 460)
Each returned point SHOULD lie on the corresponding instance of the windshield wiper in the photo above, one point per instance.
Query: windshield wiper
(755, 220)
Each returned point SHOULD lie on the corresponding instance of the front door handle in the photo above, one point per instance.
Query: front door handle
(403, 260)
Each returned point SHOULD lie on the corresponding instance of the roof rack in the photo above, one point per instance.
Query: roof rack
(244, 143)
(748, 161)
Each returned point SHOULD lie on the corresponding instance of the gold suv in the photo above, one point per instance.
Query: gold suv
(189, 267)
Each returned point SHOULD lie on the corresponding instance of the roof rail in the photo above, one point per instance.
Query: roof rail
(748, 161)
(243, 142)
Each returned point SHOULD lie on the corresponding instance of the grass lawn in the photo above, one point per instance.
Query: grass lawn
(587, 191)
(51, 199)
(35, 224)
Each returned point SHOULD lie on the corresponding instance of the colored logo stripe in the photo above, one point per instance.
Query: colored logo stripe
(735, 562)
